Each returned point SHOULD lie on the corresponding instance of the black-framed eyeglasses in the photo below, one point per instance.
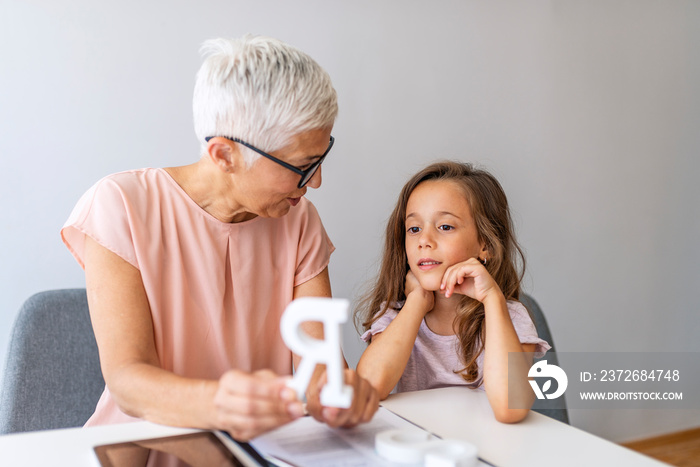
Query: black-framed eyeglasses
(305, 174)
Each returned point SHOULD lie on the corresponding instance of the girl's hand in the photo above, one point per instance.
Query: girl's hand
(425, 298)
(249, 404)
(469, 278)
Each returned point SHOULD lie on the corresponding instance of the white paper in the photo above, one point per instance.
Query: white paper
(308, 443)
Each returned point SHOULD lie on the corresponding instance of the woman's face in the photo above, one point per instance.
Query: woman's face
(440, 231)
(269, 189)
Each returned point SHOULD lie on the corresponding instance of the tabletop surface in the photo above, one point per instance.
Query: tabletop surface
(455, 412)
(462, 413)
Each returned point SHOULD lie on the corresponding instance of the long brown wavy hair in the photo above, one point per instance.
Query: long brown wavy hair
(506, 262)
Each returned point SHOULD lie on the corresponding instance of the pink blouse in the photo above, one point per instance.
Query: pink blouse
(216, 290)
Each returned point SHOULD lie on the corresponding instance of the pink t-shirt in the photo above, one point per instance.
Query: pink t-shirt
(216, 290)
(435, 358)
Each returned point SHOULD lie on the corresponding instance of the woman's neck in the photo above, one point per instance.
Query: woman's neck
(210, 189)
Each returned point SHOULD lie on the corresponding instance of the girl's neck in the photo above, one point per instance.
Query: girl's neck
(441, 319)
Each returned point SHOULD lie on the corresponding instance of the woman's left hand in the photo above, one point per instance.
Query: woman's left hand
(365, 402)
(469, 278)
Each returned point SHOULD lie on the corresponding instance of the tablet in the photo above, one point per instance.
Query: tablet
(201, 449)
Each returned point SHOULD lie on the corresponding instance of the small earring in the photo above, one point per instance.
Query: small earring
(482, 261)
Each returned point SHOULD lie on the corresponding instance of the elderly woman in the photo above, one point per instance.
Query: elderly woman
(188, 269)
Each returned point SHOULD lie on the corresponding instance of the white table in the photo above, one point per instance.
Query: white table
(537, 441)
(450, 413)
(74, 446)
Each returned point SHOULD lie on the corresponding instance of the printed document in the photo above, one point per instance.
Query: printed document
(308, 443)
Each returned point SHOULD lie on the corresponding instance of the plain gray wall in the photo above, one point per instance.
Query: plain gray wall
(587, 111)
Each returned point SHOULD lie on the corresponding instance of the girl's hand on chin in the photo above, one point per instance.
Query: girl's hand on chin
(469, 278)
(414, 289)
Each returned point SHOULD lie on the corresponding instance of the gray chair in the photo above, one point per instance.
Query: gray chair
(556, 408)
(52, 374)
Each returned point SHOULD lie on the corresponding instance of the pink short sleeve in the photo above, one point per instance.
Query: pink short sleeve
(379, 325)
(315, 247)
(525, 328)
(102, 214)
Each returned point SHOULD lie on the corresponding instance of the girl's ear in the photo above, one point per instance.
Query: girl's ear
(484, 253)
(225, 154)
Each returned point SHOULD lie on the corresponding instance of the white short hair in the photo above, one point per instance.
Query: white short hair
(262, 91)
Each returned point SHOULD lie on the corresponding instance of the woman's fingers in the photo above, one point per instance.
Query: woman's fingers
(365, 402)
(372, 404)
(250, 404)
(370, 398)
(313, 398)
(246, 428)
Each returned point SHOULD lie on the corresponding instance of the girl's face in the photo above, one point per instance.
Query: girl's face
(440, 231)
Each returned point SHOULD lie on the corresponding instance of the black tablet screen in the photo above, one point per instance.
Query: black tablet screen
(201, 449)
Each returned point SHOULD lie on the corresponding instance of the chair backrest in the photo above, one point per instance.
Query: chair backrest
(52, 374)
(558, 409)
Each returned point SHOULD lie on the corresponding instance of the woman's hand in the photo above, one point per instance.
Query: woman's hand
(469, 278)
(424, 299)
(365, 402)
(249, 404)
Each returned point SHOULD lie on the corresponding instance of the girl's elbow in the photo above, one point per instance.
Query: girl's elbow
(383, 393)
(382, 388)
(506, 415)
(375, 379)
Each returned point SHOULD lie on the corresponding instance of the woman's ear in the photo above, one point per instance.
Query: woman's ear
(224, 154)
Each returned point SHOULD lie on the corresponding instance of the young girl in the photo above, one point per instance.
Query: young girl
(444, 310)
